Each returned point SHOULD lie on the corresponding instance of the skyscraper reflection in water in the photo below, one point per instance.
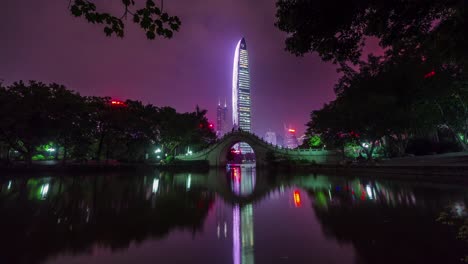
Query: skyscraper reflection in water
(242, 184)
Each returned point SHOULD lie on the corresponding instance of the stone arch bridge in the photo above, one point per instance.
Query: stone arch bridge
(216, 154)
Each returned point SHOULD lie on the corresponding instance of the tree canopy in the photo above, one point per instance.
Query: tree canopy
(337, 30)
(35, 115)
(393, 100)
(149, 16)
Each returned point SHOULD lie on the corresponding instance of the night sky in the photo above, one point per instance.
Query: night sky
(40, 40)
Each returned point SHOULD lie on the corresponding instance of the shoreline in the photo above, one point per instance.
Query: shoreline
(418, 172)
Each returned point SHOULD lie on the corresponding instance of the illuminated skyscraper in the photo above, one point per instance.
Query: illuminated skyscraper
(290, 139)
(221, 114)
(241, 103)
(270, 137)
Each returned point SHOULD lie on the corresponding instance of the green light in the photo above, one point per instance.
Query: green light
(321, 199)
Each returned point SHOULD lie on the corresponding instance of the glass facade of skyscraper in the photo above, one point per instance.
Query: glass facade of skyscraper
(241, 101)
(221, 115)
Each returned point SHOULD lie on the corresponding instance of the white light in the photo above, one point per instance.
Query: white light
(369, 192)
(158, 157)
(9, 185)
(155, 185)
(51, 149)
(44, 190)
(365, 145)
(158, 150)
(234, 84)
(189, 181)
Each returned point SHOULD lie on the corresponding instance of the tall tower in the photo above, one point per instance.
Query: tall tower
(290, 139)
(241, 103)
(221, 114)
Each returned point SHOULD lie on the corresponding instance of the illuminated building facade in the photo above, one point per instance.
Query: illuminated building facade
(290, 139)
(221, 124)
(241, 102)
(270, 137)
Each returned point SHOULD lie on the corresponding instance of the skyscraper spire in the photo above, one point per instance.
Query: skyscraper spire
(219, 102)
(225, 104)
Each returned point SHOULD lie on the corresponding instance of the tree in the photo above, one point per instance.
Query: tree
(315, 141)
(151, 18)
(337, 30)
(179, 131)
(35, 114)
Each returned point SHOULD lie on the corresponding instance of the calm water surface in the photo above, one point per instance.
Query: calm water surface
(238, 216)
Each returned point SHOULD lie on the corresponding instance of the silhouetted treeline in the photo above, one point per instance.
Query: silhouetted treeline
(412, 99)
(47, 120)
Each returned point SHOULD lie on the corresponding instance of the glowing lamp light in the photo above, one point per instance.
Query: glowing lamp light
(50, 149)
(117, 103)
(210, 125)
(292, 130)
(158, 150)
(297, 198)
(429, 75)
(44, 190)
(236, 174)
(155, 185)
(189, 152)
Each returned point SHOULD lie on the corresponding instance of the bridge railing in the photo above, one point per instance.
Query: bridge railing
(275, 148)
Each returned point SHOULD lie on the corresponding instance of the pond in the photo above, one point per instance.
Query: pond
(239, 216)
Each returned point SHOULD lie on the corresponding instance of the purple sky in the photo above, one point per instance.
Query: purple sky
(40, 40)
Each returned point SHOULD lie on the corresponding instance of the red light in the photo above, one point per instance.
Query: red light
(211, 125)
(236, 151)
(292, 130)
(117, 103)
(236, 174)
(297, 198)
(429, 75)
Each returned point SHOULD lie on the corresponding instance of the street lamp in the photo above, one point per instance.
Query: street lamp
(158, 150)
(189, 152)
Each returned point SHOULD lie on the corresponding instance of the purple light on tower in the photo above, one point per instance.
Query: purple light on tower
(241, 101)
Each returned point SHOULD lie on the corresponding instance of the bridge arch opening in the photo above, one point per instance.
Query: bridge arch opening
(239, 154)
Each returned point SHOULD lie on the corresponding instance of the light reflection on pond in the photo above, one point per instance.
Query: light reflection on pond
(239, 216)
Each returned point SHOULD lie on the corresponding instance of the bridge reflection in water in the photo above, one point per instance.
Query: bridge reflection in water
(72, 218)
(243, 181)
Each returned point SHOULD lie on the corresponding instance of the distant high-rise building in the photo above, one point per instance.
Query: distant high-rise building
(279, 140)
(221, 114)
(241, 102)
(270, 137)
(290, 139)
(301, 139)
